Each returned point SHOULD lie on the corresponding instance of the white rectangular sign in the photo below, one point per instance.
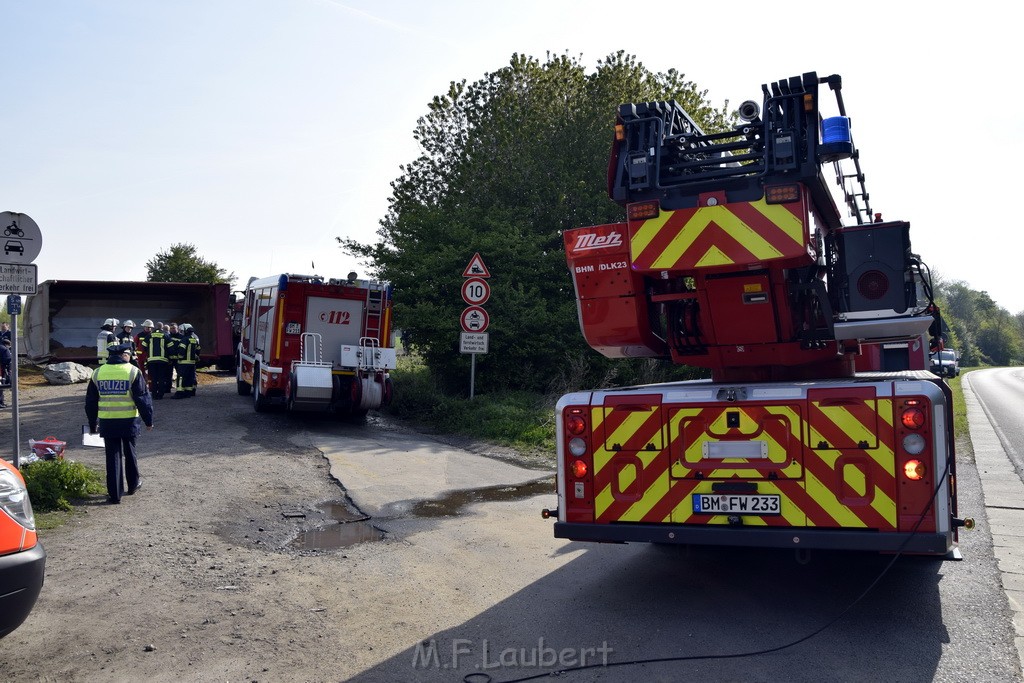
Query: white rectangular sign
(18, 278)
(473, 342)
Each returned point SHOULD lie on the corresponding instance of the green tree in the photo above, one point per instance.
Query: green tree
(181, 263)
(507, 164)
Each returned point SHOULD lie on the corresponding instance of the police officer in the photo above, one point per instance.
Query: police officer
(187, 363)
(105, 338)
(156, 363)
(114, 402)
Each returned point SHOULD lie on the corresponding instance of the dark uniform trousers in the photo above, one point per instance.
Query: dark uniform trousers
(119, 448)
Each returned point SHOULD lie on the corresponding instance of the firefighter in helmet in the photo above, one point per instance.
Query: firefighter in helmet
(105, 338)
(188, 355)
(125, 337)
(157, 365)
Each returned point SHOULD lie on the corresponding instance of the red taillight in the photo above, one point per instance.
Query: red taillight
(575, 425)
(915, 470)
(873, 284)
(579, 469)
(912, 418)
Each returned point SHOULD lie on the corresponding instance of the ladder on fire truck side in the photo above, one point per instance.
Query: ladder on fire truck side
(374, 319)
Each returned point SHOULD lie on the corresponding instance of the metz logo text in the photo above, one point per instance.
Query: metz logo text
(589, 241)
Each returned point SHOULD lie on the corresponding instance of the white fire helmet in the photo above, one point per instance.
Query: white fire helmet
(147, 323)
(128, 323)
(113, 322)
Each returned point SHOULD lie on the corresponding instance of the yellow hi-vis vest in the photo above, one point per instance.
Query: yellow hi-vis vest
(114, 382)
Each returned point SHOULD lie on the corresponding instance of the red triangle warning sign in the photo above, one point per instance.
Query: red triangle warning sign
(476, 267)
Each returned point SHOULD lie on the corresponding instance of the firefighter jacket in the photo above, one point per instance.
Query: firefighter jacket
(156, 347)
(141, 344)
(175, 347)
(104, 339)
(190, 350)
(116, 399)
(125, 337)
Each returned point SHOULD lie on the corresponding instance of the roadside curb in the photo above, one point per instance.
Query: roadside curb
(1003, 493)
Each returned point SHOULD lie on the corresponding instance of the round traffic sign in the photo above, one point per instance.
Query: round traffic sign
(476, 291)
(474, 319)
(21, 238)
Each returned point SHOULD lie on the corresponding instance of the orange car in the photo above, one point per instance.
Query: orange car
(22, 558)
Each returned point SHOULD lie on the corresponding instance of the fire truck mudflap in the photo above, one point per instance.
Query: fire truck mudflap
(855, 464)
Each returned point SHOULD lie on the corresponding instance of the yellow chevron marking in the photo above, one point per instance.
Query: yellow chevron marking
(632, 424)
(827, 500)
(854, 476)
(603, 500)
(712, 257)
(885, 457)
(885, 410)
(647, 231)
(783, 218)
(657, 490)
(738, 230)
(849, 424)
(791, 512)
(627, 475)
(885, 506)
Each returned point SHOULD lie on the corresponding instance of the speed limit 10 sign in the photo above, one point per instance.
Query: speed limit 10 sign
(476, 291)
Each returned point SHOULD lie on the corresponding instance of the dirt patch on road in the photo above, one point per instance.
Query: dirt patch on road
(194, 577)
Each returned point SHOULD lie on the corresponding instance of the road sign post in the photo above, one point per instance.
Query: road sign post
(21, 243)
(474, 319)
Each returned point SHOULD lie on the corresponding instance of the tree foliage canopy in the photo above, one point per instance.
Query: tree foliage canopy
(509, 162)
(181, 263)
(982, 332)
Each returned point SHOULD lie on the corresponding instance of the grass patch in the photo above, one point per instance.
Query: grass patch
(521, 420)
(54, 484)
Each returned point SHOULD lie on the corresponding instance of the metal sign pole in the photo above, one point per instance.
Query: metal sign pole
(472, 374)
(14, 390)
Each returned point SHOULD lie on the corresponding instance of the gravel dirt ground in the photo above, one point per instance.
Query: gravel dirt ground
(201, 574)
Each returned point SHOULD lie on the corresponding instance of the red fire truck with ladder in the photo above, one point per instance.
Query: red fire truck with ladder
(311, 344)
(733, 257)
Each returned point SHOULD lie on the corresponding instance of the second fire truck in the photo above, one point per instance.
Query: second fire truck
(315, 344)
(733, 257)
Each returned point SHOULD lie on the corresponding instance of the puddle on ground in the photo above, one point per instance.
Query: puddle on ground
(452, 503)
(350, 527)
(337, 536)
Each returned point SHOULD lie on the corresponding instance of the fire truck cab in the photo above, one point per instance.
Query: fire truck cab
(733, 257)
(310, 344)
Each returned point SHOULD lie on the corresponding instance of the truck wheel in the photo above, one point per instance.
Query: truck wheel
(292, 386)
(244, 388)
(259, 401)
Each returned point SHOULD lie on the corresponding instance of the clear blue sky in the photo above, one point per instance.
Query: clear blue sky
(259, 130)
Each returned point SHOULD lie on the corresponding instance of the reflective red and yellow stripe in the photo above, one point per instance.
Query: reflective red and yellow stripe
(638, 479)
(722, 235)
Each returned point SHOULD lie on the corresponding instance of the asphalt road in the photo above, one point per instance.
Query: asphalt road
(530, 604)
(423, 560)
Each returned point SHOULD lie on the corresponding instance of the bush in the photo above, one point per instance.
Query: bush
(53, 484)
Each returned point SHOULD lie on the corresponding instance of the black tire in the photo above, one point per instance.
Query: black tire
(259, 401)
(244, 388)
(292, 385)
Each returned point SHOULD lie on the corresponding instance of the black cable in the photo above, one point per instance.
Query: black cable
(478, 677)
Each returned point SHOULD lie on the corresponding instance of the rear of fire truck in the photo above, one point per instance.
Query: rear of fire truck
(315, 344)
(733, 257)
